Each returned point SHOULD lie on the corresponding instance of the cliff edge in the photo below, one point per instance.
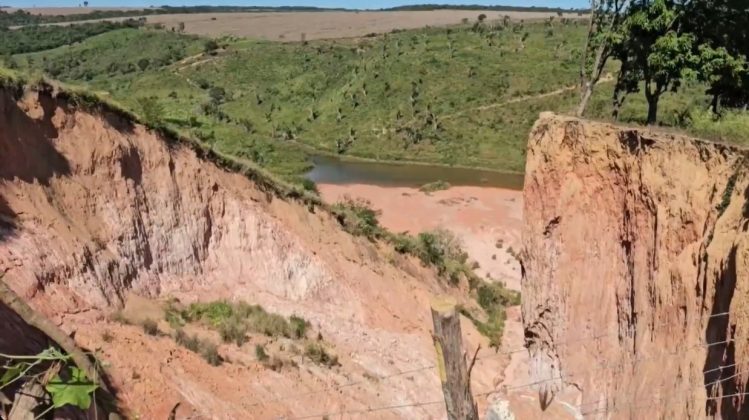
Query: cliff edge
(636, 270)
(97, 212)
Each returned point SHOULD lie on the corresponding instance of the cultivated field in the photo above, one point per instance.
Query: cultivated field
(323, 25)
(289, 26)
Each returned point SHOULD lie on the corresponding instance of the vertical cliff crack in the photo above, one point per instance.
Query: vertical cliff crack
(719, 330)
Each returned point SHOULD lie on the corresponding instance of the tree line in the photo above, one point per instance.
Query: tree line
(661, 44)
(39, 38)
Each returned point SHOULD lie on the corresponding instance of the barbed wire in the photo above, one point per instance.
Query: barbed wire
(426, 403)
(369, 410)
(671, 394)
(704, 372)
(493, 356)
(604, 367)
(346, 385)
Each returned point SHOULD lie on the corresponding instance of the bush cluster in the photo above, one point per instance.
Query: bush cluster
(234, 321)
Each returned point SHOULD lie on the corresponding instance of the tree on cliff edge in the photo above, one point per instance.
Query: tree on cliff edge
(603, 30)
(663, 43)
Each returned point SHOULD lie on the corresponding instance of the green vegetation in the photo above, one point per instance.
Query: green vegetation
(112, 55)
(442, 250)
(317, 353)
(411, 95)
(65, 384)
(434, 186)
(205, 348)
(358, 218)
(99, 103)
(661, 45)
(494, 298)
(260, 353)
(234, 320)
(725, 199)
(464, 95)
(38, 38)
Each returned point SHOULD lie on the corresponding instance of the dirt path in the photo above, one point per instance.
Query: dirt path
(605, 79)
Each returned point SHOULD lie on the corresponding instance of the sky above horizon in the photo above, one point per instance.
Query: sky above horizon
(351, 4)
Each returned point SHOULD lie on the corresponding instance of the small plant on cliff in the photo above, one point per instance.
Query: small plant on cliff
(493, 298)
(260, 353)
(234, 321)
(442, 249)
(317, 353)
(358, 218)
(233, 330)
(298, 326)
(150, 327)
(404, 243)
(725, 199)
(209, 352)
(206, 349)
(309, 185)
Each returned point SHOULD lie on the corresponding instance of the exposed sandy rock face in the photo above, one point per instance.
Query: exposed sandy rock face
(93, 208)
(638, 239)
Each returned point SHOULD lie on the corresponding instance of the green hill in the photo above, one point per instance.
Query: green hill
(463, 95)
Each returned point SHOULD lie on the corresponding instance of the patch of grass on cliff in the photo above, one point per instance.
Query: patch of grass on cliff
(494, 299)
(317, 353)
(725, 199)
(234, 321)
(442, 249)
(205, 348)
(357, 217)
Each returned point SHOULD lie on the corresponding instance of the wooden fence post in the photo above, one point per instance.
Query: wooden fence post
(451, 360)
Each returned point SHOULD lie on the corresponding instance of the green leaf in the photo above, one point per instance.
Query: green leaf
(11, 373)
(75, 392)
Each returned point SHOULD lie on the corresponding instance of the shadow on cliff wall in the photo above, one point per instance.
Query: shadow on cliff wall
(719, 380)
(27, 150)
(7, 220)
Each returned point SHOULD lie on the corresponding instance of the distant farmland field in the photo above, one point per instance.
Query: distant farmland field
(289, 26)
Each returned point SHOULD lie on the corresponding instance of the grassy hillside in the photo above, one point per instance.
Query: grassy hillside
(464, 95)
(411, 95)
(39, 38)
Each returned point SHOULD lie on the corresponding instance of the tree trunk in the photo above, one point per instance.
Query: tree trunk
(584, 99)
(451, 361)
(715, 104)
(652, 108)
